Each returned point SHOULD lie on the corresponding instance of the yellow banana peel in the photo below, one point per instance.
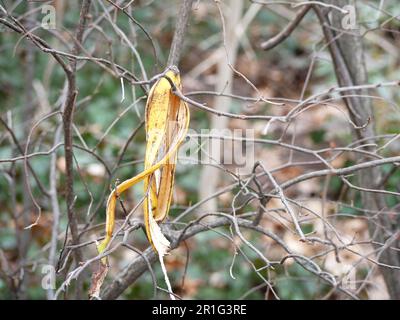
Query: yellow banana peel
(167, 122)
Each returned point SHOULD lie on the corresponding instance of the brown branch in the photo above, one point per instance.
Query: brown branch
(68, 114)
(20, 149)
(287, 31)
(340, 171)
(180, 31)
(140, 264)
(347, 54)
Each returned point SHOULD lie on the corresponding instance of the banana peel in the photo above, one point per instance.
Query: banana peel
(166, 125)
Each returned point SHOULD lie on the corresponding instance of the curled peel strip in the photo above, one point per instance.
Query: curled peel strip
(167, 122)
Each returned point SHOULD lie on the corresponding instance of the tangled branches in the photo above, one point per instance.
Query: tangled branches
(317, 201)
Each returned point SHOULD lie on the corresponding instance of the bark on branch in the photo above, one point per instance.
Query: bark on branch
(346, 50)
(180, 31)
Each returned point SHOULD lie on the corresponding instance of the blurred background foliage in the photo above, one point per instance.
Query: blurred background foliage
(279, 72)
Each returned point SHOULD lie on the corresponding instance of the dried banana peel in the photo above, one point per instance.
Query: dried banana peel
(167, 122)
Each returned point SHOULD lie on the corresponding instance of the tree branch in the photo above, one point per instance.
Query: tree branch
(180, 31)
(68, 114)
(287, 31)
